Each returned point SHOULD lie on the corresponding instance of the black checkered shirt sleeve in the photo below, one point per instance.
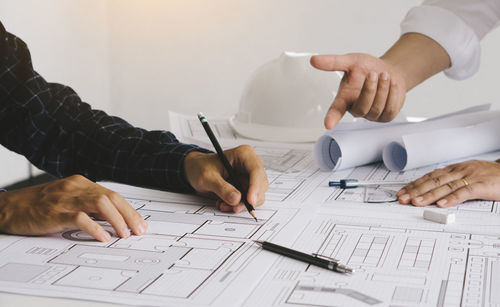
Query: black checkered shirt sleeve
(50, 125)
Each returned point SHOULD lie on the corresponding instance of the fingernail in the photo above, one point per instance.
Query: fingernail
(405, 197)
(106, 236)
(125, 233)
(372, 76)
(419, 199)
(139, 229)
(385, 76)
(442, 202)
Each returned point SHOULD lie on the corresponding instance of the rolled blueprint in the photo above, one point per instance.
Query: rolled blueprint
(421, 149)
(345, 149)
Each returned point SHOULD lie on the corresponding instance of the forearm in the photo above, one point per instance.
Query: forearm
(50, 125)
(69, 137)
(417, 57)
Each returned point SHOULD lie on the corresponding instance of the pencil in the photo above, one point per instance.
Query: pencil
(222, 157)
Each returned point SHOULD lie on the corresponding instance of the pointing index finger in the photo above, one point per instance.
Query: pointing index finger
(336, 112)
(332, 62)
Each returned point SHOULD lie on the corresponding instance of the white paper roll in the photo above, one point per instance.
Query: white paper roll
(345, 149)
(421, 149)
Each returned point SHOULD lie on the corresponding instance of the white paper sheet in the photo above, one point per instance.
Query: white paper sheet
(194, 255)
(291, 169)
(191, 255)
(420, 149)
(187, 128)
(396, 265)
(400, 258)
(345, 149)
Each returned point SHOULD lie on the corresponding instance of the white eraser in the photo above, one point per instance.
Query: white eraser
(439, 216)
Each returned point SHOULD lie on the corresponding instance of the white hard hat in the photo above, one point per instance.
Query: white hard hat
(286, 100)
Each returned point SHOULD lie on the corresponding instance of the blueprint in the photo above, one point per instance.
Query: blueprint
(395, 266)
(291, 170)
(400, 259)
(194, 255)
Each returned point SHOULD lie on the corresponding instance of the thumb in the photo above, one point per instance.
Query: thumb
(227, 192)
(335, 113)
(333, 62)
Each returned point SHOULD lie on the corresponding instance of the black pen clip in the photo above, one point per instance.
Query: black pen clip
(325, 257)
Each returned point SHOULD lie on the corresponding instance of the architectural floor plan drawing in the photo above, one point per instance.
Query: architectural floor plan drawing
(364, 197)
(400, 258)
(195, 255)
(394, 267)
(292, 173)
(192, 254)
(291, 169)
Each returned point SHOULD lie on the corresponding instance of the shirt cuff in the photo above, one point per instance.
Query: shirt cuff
(185, 186)
(451, 32)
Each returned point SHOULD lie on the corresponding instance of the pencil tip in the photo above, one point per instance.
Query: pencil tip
(252, 213)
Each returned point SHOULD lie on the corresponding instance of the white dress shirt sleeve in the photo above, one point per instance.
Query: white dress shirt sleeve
(458, 26)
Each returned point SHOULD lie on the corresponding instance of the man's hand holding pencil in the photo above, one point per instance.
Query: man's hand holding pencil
(206, 174)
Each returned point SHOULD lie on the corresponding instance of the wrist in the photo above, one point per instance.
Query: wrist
(417, 57)
(399, 70)
(188, 163)
(400, 63)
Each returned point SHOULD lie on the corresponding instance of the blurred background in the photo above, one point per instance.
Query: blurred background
(139, 59)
